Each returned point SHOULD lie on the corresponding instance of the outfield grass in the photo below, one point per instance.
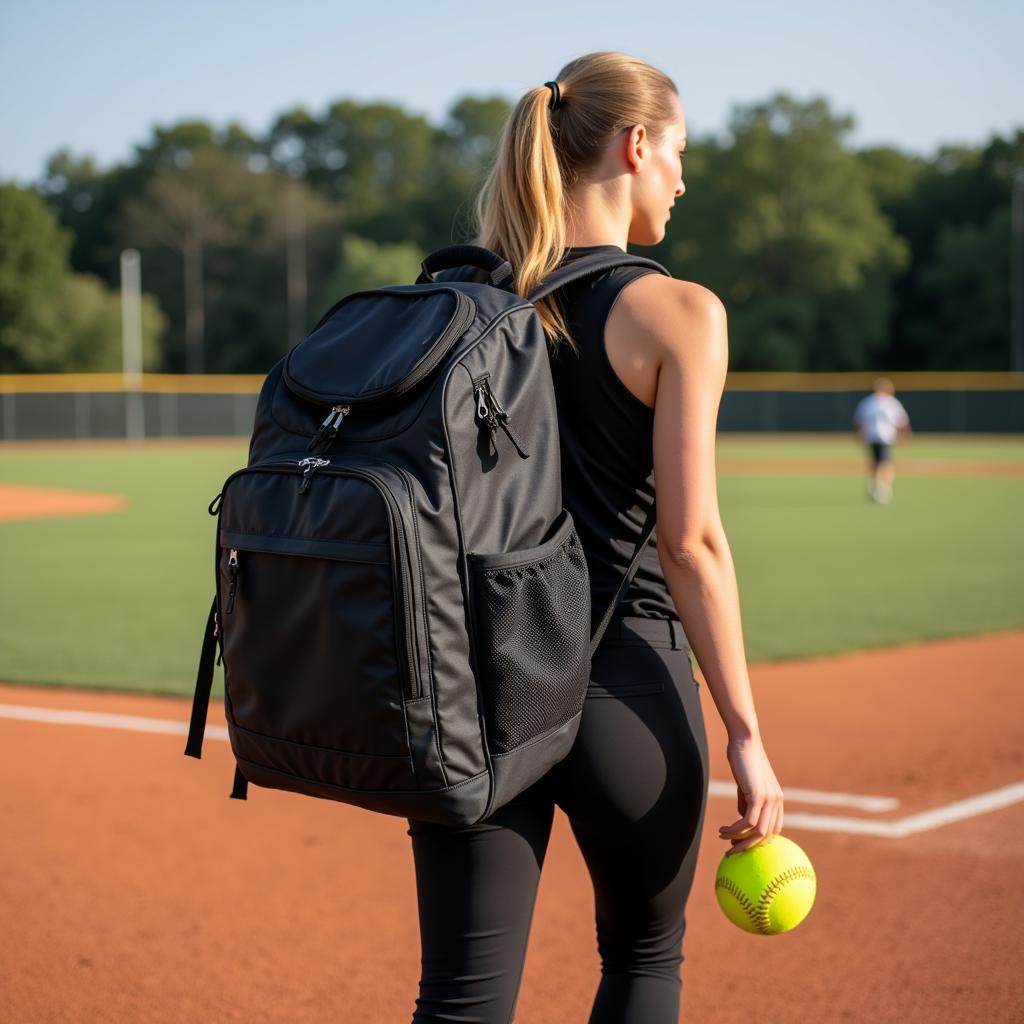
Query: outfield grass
(120, 600)
(918, 447)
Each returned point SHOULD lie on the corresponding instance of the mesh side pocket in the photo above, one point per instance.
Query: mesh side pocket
(533, 630)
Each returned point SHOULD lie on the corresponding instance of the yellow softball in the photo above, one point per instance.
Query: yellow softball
(768, 888)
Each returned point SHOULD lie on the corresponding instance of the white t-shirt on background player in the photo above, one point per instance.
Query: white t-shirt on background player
(879, 416)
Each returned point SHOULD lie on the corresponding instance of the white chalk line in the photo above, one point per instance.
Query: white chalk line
(873, 804)
(133, 723)
(959, 810)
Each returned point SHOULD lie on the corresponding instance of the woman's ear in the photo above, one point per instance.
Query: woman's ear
(636, 146)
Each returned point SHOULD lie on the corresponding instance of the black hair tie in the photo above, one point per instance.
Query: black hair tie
(556, 95)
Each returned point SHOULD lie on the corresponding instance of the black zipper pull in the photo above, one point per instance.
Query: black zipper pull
(502, 419)
(233, 574)
(319, 435)
(312, 464)
(217, 637)
(329, 428)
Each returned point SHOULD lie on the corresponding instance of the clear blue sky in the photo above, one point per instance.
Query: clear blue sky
(96, 76)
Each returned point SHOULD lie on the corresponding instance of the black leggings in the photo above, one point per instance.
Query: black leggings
(634, 788)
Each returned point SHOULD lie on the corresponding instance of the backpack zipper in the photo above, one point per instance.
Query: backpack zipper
(312, 464)
(489, 410)
(485, 413)
(413, 681)
(329, 431)
(233, 576)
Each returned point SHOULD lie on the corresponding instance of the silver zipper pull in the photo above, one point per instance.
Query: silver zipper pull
(312, 464)
(481, 403)
(500, 418)
(329, 428)
(340, 412)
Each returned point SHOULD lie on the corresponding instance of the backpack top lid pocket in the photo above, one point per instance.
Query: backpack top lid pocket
(378, 344)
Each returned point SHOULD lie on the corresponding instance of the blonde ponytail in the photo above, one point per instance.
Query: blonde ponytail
(521, 211)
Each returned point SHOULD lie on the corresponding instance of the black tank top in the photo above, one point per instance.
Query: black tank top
(606, 438)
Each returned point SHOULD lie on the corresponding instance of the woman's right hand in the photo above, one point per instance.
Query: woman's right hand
(758, 795)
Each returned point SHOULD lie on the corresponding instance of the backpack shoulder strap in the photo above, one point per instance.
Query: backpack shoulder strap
(634, 564)
(586, 266)
(577, 270)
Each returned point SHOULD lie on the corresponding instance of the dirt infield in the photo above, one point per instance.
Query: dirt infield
(122, 444)
(21, 501)
(134, 890)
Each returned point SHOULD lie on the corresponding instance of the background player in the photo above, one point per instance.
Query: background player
(879, 420)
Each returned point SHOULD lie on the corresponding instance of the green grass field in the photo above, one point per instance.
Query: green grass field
(119, 600)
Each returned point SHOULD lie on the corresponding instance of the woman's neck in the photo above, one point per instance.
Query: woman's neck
(597, 215)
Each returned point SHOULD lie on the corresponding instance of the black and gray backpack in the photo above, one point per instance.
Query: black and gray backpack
(402, 603)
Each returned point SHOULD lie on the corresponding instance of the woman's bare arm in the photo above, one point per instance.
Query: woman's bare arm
(692, 545)
(684, 327)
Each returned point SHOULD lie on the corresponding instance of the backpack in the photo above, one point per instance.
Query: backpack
(402, 604)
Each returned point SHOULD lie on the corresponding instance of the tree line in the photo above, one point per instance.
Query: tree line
(826, 257)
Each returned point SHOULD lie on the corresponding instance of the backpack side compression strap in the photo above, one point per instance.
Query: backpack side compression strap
(648, 529)
(201, 702)
(204, 681)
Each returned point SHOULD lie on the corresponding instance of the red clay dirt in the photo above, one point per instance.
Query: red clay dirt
(23, 501)
(134, 890)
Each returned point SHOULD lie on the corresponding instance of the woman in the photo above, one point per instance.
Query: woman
(589, 163)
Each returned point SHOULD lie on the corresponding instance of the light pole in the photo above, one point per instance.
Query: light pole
(131, 344)
(1017, 271)
(295, 231)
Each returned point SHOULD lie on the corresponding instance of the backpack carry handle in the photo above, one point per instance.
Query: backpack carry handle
(451, 256)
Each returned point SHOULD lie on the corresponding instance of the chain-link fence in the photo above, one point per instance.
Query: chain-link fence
(36, 407)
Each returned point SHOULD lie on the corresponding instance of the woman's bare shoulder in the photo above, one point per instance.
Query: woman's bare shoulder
(661, 315)
(656, 321)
